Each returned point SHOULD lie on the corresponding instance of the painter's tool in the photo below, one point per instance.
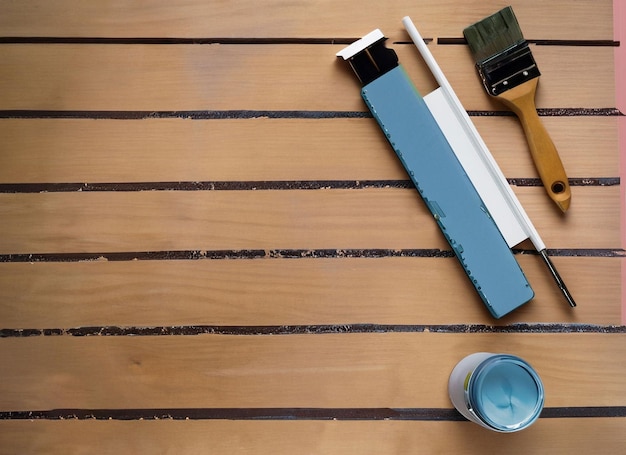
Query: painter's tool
(478, 162)
(509, 72)
(432, 165)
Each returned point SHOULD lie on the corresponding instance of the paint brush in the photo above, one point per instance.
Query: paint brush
(509, 72)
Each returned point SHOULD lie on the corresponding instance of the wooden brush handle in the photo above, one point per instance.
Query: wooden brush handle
(521, 100)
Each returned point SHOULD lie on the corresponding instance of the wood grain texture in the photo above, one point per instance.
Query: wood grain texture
(194, 18)
(274, 77)
(290, 292)
(213, 220)
(69, 150)
(390, 370)
(555, 436)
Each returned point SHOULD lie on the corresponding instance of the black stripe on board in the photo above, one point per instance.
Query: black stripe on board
(578, 181)
(67, 187)
(556, 112)
(328, 253)
(204, 186)
(238, 414)
(284, 114)
(319, 329)
(542, 42)
(193, 115)
(416, 414)
(168, 41)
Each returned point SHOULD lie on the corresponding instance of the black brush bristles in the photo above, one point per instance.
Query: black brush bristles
(502, 55)
(493, 35)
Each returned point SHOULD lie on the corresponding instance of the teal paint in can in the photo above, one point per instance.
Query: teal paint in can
(501, 392)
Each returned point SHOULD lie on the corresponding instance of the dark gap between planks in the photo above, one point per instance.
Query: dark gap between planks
(348, 253)
(269, 114)
(276, 185)
(318, 329)
(416, 414)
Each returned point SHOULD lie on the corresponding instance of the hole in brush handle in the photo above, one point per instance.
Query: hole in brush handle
(558, 187)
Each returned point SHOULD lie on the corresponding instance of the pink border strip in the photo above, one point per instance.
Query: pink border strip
(619, 31)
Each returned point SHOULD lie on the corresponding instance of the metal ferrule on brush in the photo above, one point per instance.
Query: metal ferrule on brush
(508, 69)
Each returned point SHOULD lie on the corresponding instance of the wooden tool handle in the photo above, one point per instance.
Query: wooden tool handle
(521, 100)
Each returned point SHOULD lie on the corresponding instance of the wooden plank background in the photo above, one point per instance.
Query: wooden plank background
(206, 244)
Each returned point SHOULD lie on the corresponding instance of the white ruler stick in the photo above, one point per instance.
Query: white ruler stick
(472, 152)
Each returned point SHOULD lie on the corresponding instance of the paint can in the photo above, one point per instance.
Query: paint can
(500, 392)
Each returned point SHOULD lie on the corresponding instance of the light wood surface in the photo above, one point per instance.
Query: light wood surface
(207, 246)
(558, 19)
(182, 220)
(371, 370)
(70, 150)
(271, 77)
(582, 435)
(279, 291)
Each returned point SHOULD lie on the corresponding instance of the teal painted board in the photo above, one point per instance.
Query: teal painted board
(447, 191)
